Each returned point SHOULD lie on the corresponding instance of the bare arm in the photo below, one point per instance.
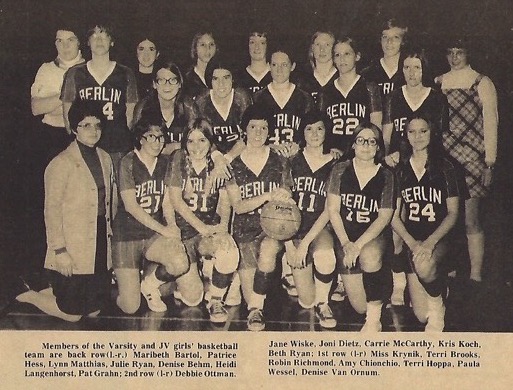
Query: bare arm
(376, 227)
(333, 204)
(247, 205)
(488, 96)
(130, 114)
(376, 118)
(65, 111)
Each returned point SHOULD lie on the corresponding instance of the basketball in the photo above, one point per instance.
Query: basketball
(280, 220)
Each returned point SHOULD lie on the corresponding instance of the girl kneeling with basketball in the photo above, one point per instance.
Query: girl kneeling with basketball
(259, 175)
(361, 204)
(427, 210)
(139, 227)
(203, 213)
(313, 244)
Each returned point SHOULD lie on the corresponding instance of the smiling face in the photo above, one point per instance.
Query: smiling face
(457, 58)
(256, 133)
(197, 145)
(67, 45)
(165, 84)
(147, 53)
(257, 47)
(315, 134)
(222, 83)
(205, 48)
(89, 131)
(345, 58)
(322, 47)
(412, 69)
(152, 142)
(419, 134)
(365, 145)
(391, 41)
(281, 67)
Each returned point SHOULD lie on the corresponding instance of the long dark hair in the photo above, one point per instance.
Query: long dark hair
(435, 149)
(204, 127)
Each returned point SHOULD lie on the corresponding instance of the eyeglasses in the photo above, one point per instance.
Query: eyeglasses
(153, 138)
(171, 81)
(91, 126)
(362, 141)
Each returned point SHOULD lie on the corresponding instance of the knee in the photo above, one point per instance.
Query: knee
(324, 260)
(72, 318)
(226, 262)
(426, 272)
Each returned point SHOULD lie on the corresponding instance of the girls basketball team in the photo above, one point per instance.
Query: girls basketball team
(371, 158)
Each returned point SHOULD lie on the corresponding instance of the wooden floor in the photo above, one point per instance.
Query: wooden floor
(484, 309)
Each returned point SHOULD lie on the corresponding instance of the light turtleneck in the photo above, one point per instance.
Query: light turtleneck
(68, 64)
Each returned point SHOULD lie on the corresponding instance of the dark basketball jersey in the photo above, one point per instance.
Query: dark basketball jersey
(275, 173)
(246, 80)
(118, 89)
(309, 83)
(424, 199)
(346, 112)
(309, 191)
(226, 131)
(203, 205)
(398, 111)
(149, 108)
(149, 193)
(286, 120)
(376, 74)
(359, 206)
(144, 83)
(193, 85)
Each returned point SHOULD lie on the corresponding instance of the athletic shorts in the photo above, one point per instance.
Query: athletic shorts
(191, 247)
(250, 251)
(129, 254)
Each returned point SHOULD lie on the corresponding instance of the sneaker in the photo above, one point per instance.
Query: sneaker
(339, 294)
(256, 320)
(217, 311)
(436, 319)
(371, 327)
(288, 284)
(325, 315)
(152, 296)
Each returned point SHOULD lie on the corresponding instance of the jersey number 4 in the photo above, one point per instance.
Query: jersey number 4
(108, 111)
(416, 212)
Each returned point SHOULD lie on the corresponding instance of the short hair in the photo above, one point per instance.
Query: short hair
(202, 125)
(311, 57)
(81, 109)
(217, 63)
(310, 118)
(144, 125)
(103, 28)
(392, 23)
(255, 112)
(350, 41)
(460, 42)
(282, 49)
(380, 152)
(194, 44)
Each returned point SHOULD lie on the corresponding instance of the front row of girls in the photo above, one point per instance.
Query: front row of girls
(348, 209)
